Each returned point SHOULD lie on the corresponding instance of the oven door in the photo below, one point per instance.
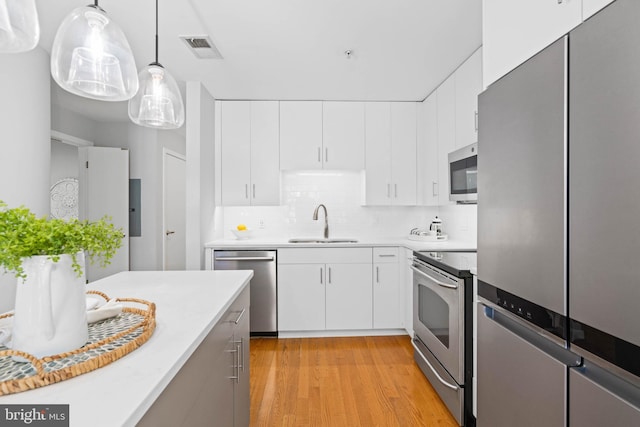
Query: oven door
(438, 316)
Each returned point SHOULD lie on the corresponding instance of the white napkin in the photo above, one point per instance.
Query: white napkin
(111, 309)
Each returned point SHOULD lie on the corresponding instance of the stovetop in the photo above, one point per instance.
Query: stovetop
(456, 263)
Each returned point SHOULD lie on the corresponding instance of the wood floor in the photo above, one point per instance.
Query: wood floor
(362, 381)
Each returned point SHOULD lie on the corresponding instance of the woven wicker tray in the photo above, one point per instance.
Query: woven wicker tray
(109, 340)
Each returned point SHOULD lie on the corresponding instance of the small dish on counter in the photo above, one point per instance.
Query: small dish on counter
(242, 234)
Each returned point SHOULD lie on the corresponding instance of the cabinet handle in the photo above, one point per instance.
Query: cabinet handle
(329, 276)
(377, 274)
(387, 256)
(246, 191)
(396, 189)
(388, 190)
(235, 365)
(240, 316)
(326, 154)
(321, 274)
(434, 188)
(254, 191)
(240, 346)
(476, 113)
(319, 158)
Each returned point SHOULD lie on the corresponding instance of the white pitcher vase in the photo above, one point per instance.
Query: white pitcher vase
(51, 310)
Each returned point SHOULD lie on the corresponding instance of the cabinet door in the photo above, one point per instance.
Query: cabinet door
(468, 87)
(427, 173)
(378, 152)
(241, 400)
(387, 289)
(446, 95)
(343, 135)
(590, 7)
(537, 23)
(403, 152)
(265, 159)
(349, 296)
(407, 280)
(300, 135)
(301, 297)
(236, 152)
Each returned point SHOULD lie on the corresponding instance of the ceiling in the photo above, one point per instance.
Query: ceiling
(290, 49)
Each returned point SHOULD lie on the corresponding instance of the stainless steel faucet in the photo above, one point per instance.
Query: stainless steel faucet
(326, 219)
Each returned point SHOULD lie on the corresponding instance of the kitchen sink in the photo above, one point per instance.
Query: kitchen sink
(321, 240)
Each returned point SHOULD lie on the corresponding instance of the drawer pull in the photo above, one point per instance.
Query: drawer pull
(240, 316)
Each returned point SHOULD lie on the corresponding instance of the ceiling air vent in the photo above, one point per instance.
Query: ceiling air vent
(202, 47)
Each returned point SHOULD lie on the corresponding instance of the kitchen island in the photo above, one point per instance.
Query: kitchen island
(189, 304)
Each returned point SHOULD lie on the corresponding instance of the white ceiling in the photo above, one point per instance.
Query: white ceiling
(290, 49)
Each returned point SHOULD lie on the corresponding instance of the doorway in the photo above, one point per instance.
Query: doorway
(174, 210)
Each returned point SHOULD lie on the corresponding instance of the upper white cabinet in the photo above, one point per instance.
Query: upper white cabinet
(513, 31)
(321, 135)
(428, 187)
(343, 135)
(446, 130)
(249, 150)
(468, 86)
(590, 7)
(391, 143)
(300, 135)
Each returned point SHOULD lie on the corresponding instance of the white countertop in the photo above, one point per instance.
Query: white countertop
(188, 305)
(275, 243)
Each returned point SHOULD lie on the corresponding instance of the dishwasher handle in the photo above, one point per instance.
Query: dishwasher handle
(242, 258)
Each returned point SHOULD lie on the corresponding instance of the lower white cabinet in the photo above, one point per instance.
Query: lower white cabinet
(324, 289)
(387, 289)
(212, 387)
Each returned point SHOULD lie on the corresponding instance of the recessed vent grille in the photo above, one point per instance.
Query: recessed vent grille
(202, 47)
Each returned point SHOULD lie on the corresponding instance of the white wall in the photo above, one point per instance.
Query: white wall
(25, 122)
(200, 191)
(64, 161)
(460, 222)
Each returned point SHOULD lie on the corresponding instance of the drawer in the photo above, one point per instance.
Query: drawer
(386, 255)
(324, 256)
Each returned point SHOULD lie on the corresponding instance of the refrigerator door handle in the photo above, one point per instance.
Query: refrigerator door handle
(547, 343)
(445, 383)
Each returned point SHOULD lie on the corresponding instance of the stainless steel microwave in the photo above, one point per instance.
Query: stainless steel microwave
(463, 174)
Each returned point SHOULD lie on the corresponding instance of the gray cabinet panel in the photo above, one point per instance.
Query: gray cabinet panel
(522, 182)
(604, 212)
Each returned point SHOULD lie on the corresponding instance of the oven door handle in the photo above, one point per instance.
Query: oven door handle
(444, 285)
(449, 385)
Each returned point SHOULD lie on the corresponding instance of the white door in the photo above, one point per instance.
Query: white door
(104, 190)
(403, 152)
(378, 153)
(236, 152)
(174, 211)
(300, 135)
(343, 135)
(349, 300)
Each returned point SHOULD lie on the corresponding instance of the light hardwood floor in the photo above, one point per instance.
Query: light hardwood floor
(362, 381)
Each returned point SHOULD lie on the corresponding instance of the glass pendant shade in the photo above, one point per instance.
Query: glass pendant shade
(92, 58)
(19, 28)
(158, 103)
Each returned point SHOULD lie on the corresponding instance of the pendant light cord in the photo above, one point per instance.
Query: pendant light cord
(156, 33)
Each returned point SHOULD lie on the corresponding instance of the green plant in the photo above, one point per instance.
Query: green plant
(23, 234)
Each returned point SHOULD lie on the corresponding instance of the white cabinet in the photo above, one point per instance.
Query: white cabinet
(468, 86)
(324, 289)
(343, 135)
(249, 150)
(321, 135)
(300, 135)
(428, 179)
(407, 283)
(387, 289)
(391, 144)
(513, 31)
(590, 7)
(446, 130)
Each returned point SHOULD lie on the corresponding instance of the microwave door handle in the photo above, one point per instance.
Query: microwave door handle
(446, 384)
(444, 285)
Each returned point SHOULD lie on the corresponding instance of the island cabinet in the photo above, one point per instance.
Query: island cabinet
(212, 388)
(324, 289)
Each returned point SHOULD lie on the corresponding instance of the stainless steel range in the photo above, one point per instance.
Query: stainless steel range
(443, 328)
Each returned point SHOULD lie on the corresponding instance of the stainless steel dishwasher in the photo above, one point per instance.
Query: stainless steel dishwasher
(263, 313)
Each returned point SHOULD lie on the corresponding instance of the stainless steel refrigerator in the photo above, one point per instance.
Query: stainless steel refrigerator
(557, 232)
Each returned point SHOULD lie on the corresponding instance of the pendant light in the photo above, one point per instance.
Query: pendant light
(19, 28)
(158, 103)
(92, 58)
